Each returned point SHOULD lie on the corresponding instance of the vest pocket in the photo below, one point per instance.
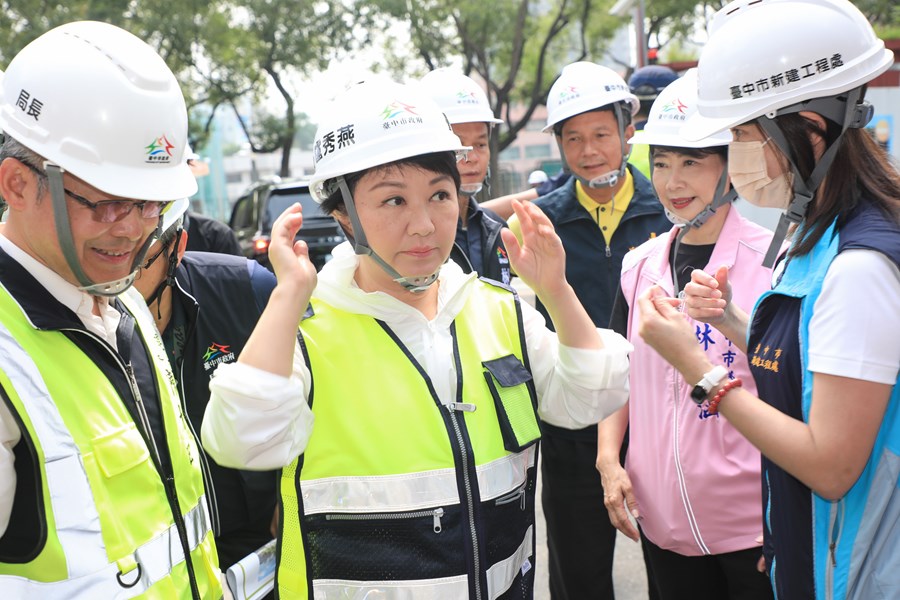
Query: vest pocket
(119, 451)
(121, 476)
(424, 544)
(512, 388)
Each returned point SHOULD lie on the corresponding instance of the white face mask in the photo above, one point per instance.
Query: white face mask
(470, 189)
(749, 176)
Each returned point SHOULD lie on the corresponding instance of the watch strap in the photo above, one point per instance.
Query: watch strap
(700, 392)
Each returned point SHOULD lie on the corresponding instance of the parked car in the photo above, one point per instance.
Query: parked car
(255, 212)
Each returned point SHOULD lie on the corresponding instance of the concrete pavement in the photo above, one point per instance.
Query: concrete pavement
(629, 576)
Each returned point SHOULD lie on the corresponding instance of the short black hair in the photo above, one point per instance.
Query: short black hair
(692, 152)
(443, 163)
(626, 116)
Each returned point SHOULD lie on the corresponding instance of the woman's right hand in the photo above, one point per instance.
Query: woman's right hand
(289, 258)
(618, 497)
(707, 298)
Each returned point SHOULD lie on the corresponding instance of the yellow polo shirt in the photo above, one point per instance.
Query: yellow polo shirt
(607, 216)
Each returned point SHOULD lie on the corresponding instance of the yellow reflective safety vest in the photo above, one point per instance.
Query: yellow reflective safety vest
(112, 528)
(398, 495)
(640, 158)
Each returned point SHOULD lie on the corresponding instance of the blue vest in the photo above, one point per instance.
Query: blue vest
(817, 548)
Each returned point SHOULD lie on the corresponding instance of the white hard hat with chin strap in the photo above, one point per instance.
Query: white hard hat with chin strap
(97, 102)
(584, 87)
(674, 105)
(824, 54)
(377, 123)
(463, 101)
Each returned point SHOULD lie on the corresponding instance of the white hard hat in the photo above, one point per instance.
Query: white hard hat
(376, 123)
(811, 49)
(461, 99)
(536, 177)
(676, 103)
(585, 86)
(102, 104)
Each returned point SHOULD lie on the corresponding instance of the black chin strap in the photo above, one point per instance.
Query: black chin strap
(849, 111)
(171, 252)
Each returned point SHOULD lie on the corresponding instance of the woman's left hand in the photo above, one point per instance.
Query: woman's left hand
(539, 260)
(667, 331)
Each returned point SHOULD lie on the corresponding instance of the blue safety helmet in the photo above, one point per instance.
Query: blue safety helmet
(647, 82)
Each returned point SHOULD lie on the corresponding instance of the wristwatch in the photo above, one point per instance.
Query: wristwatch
(710, 380)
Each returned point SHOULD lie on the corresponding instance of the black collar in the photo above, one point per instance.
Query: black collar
(43, 310)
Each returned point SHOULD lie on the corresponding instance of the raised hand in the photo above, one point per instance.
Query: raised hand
(271, 345)
(668, 332)
(539, 260)
(290, 259)
(708, 299)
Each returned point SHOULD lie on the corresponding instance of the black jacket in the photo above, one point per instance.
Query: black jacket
(593, 269)
(492, 262)
(218, 300)
(209, 235)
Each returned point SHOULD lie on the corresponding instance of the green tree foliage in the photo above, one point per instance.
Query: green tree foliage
(881, 13)
(265, 42)
(221, 50)
(517, 47)
(674, 22)
(680, 21)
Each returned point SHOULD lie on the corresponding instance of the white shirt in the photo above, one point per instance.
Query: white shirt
(855, 327)
(82, 304)
(259, 420)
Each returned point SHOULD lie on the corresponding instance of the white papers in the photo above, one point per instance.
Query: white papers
(253, 576)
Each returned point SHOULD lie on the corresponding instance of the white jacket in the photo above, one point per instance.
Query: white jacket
(259, 420)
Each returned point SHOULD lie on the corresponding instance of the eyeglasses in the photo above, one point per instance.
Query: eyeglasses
(111, 211)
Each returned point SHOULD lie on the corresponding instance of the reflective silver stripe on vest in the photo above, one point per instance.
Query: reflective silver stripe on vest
(160, 555)
(502, 574)
(500, 577)
(77, 521)
(450, 588)
(156, 558)
(413, 491)
(72, 503)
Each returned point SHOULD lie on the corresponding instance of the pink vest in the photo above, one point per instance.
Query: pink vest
(696, 479)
